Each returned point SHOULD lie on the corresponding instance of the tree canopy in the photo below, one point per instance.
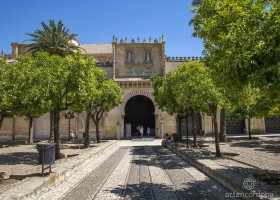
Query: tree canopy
(242, 40)
(25, 87)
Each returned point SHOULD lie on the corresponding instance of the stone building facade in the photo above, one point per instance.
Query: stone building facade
(130, 64)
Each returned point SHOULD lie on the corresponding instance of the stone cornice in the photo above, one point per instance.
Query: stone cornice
(135, 84)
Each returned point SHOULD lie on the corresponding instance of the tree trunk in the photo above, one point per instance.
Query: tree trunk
(194, 130)
(97, 130)
(13, 129)
(57, 134)
(30, 131)
(180, 127)
(249, 128)
(223, 135)
(51, 138)
(217, 144)
(187, 127)
(2, 116)
(86, 142)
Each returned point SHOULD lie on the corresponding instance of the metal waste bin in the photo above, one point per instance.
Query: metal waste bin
(46, 154)
(201, 132)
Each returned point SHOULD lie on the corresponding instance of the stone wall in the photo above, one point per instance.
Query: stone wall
(17, 128)
(42, 127)
(171, 66)
(109, 71)
(7, 129)
(138, 59)
(257, 126)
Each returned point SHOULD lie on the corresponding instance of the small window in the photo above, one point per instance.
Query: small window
(129, 56)
(148, 56)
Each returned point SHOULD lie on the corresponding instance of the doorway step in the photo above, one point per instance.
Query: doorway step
(143, 139)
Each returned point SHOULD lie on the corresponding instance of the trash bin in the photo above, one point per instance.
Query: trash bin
(46, 150)
(201, 132)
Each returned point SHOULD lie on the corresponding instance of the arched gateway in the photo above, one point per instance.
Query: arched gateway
(138, 108)
(139, 111)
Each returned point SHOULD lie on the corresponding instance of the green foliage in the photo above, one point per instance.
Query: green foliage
(164, 95)
(196, 2)
(241, 40)
(54, 39)
(194, 87)
(107, 97)
(99, 95)
(81, 82)
(25, 86)
(35, 84)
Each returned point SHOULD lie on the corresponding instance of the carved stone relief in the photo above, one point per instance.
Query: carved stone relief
(139, 71)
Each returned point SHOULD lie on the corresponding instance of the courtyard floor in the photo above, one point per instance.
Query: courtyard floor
(142, 169)
(19, 160)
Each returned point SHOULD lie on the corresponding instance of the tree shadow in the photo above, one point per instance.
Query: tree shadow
(158, 156)
(239, 175)
(172, 165)
(189, 190)
(269, 146)
(13, 143)
(27, 158)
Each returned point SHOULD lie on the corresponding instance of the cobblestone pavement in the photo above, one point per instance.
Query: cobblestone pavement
(260, 153)
(20, 160)
(138, 171)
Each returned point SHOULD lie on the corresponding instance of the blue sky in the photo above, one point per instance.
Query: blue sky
(96, 21)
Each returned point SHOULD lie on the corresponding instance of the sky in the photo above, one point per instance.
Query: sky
(96, 21)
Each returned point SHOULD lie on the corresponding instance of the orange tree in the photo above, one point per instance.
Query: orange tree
(194, 87)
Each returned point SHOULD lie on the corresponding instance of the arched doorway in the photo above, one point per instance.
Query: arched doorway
(139, 110)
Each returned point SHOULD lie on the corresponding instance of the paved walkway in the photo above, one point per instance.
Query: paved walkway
(19, 160)
(261, 153)
(137, 170)
(141, 169)
(256, 160)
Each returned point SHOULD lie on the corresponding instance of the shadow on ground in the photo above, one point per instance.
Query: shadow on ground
(27, 158)
(148, 191)
(269, 146)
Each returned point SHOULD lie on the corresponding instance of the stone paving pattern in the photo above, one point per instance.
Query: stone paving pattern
(144, 170)
(63, 187)
(137, 172)
(262, 153)
(259, 157)
(19, 160)
(22, 159)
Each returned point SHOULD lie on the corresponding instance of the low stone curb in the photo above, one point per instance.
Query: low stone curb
(215, 171)
(30, 186)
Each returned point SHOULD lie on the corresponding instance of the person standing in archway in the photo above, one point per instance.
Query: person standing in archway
(141, 130)
(138, 130)
(148, 131)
